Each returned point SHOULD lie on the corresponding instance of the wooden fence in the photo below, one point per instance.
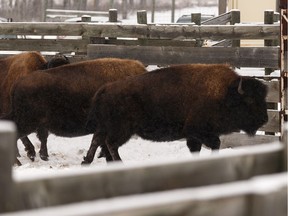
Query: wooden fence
(248, 181)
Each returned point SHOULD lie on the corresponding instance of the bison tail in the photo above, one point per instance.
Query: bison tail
(91, 124)
(94, 113)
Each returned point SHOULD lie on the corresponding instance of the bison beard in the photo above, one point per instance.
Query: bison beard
(197, 102)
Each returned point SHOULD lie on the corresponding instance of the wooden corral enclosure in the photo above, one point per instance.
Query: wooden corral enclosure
(165, 44)
(251, 181)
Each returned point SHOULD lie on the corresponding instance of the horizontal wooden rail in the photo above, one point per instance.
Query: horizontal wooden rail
(260, 196)
(76, 12)
(114, 180)
(53, 45)
(151, 55)
(148, 31)
(240, 139)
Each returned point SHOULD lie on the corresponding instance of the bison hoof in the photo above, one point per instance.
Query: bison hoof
(31, 156)
(17, 162)
(86, 161)
(44, 157)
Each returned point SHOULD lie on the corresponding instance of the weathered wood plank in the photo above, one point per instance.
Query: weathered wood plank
(65, 45)
(151, 55)
(7, 158)
(238, 139)
(222, 19)
(259, 196)
(112, 181)
(273, 124)
(273, 95)
(149, 31)
(76, 12)
(148, 42)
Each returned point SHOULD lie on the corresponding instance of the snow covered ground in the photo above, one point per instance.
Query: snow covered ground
(67, 153)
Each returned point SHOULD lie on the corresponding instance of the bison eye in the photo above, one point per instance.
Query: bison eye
(249, 100)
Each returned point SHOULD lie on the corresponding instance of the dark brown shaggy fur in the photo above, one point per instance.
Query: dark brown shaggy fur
(197, 102)
(58, 100)
(16, 67)
(13, 68)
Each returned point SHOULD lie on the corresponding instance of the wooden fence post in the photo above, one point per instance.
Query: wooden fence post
(44, 7)
(153, 11)
(85, 18)
(235, 18)
(7, 159)
(268, 19)
(142, 17)
(124, 9)
(222, 5)
(196, 18)
(113, 15)
(173, 11)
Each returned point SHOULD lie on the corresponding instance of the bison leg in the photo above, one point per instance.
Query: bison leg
(95, 143)
(29, 148)
(105, 153)
(212, 141)
(42, 135)
(194, 144)
(113, 149)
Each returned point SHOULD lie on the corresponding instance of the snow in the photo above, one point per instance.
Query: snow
(66, 154)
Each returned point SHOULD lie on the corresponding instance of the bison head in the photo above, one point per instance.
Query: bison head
(247, 105)
(57, 61)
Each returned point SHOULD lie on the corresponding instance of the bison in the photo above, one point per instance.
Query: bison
(197, 102)
(17, 66)
(58, 100)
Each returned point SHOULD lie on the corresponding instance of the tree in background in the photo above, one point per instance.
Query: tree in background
(33, 10)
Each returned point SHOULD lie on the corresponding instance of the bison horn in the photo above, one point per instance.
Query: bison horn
(240, 90)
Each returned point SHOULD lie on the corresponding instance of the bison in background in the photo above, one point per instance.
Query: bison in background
(198, 102)
(16, 67)
(57, 61)
(58, 100)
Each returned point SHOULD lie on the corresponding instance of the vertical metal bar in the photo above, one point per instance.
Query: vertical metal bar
(153, 11)
(173, 11)
(284, 71)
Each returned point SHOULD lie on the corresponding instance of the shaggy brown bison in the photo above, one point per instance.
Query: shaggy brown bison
(58, 100)
(197, 102)
(17, 66)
